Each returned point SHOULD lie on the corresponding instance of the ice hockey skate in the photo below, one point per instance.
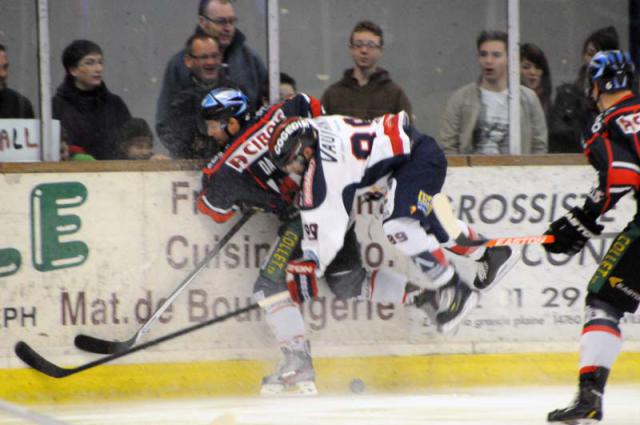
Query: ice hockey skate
(456, 300)
(449, 305)
(294, 375)
(494, 265)
(586, 409)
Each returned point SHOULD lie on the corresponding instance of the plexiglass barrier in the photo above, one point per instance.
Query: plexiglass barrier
(362, 58)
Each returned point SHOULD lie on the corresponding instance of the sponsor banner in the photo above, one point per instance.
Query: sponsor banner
(96, 253)
(20, 139)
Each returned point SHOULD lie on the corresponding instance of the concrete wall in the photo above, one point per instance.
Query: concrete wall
(430, 44)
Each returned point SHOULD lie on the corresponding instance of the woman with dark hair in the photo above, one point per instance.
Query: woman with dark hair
(90, 114)
(572, 110)
(535, 74)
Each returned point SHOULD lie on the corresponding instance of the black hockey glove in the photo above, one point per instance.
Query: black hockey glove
(572, 231)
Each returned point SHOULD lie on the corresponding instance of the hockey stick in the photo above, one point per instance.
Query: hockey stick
(103, 346)
(444, 212)
(39, 363)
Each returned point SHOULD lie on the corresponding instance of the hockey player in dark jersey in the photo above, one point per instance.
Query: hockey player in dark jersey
(612, 145)
(243, 177)
(336, 156)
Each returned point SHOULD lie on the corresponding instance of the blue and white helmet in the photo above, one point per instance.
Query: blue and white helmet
(223, 103)
(611, 70)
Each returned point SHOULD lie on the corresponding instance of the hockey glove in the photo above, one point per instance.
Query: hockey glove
(301, 280)
(572, 231)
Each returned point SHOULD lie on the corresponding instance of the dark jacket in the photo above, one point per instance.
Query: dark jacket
(181, 129)
(569, 117)
(240, 63)
(14, 105)
(92, 119)
(378, 97)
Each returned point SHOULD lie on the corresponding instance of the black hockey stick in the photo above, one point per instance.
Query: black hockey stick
(103, 346)
(39, 363)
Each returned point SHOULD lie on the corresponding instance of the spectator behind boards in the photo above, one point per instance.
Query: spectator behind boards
(12, 103)
(365, 91)
(476, 118)
(535, 74)
(242, 65)
(87, 110)
(572, 111)
(180, 127)
(135, 141)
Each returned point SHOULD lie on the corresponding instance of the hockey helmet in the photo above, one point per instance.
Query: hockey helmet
(289, 139)
(610, 70)
(223, 103)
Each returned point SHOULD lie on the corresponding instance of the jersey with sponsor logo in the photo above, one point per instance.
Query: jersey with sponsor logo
(613, 148)
(244, 174)
(351, 154)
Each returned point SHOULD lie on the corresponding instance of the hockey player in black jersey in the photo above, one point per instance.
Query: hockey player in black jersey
(612, 145)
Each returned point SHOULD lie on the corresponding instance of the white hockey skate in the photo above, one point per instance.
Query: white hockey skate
(294, 375)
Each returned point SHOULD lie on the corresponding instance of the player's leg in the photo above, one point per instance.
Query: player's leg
(347, 278)
(447, 299)
(295, 372)
(613, 290)
(417, 233)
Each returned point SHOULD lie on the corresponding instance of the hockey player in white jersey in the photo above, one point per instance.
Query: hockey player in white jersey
(337, 155)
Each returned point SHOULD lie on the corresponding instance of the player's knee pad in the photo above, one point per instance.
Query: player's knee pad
(600, 311)
(409, 237)
(346, 284)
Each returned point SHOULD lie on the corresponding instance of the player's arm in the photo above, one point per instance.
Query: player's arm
(303, 105)
(323, 227)
(574, 229)
(614, 179)
(224, 192)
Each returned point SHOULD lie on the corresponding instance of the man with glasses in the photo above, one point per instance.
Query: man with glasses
(179, 125)
(12, 103)
(241, 64)
(366, 90)
(89, 113)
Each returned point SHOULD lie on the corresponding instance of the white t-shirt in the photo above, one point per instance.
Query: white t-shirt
(491, 135)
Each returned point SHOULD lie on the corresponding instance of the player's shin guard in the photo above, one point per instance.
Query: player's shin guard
(294, 374)
(600, 344)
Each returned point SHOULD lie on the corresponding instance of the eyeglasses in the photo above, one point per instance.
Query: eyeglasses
(222, 21)
(213, 56)
(367, 44)
(91, 62)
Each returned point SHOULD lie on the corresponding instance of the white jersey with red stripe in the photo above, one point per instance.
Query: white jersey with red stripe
(351, 154)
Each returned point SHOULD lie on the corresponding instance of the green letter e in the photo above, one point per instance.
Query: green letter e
(48, 226)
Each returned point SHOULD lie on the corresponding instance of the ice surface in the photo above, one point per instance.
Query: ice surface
(481, 406)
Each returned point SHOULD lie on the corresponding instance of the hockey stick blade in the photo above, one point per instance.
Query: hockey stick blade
(444, 212)
(104, 346)
(39, 363)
